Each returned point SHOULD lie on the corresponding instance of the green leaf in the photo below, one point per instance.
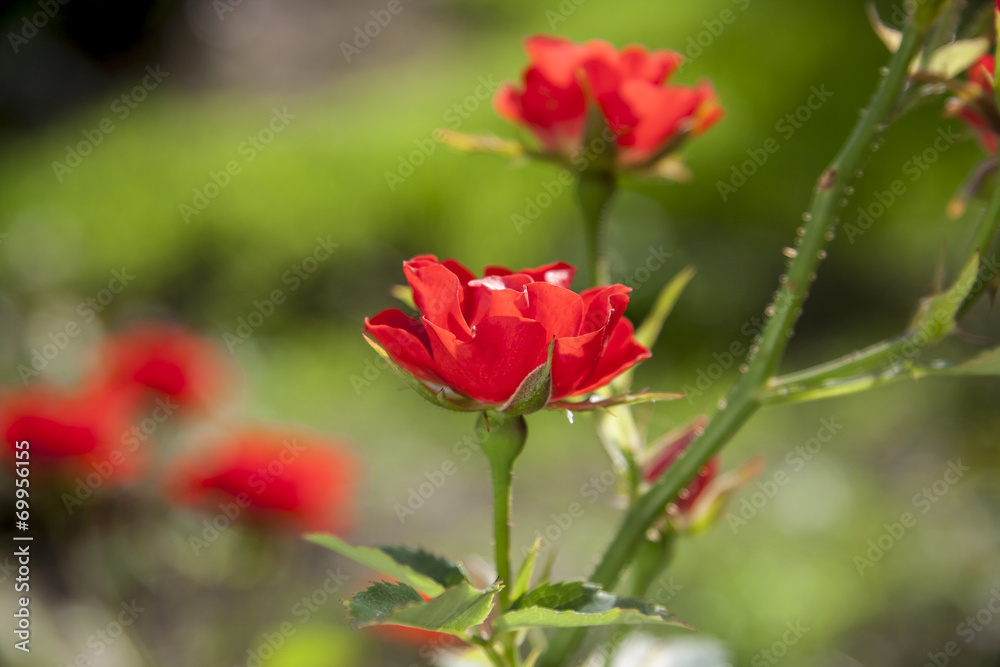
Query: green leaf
(454, 611)
(534, 391)
(952, 59)
(527, 569)
(649, 331)
(439, 569)
(574, 604)
(379, 601)
(597, 403)
(428, 573)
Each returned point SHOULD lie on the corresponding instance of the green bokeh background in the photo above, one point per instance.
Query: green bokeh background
(324, 176)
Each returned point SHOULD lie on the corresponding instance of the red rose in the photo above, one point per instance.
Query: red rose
(282, 479)
(72, 432)
(647, 117)
(977, 106)
(480, 338)
(166, 359)
(675, 444)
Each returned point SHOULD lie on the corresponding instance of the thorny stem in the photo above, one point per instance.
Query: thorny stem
(743, 400)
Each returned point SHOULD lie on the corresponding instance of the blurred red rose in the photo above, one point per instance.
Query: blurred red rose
(672, 447)
(74, 433)
(166, 359)
(977, 105)
(646, 116)
(482, 337)
(282, 479)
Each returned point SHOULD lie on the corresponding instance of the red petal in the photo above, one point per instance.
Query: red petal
(405, 340)
(621, 352)
(438, 293)
(490, 366)
(573, 362)
(557, 58)
(558, 309)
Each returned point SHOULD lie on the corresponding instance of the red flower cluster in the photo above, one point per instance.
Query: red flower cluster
(279, 478)
(481, 337)
(73, 432)
(99, 433)
(165, 359)
(977, 106)
(91, 429)
(647, 117)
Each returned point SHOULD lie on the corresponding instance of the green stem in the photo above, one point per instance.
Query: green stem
(743, 400)
(490, 652)
(982, 241)
(594, 191)
(502, 476)
(503, 441)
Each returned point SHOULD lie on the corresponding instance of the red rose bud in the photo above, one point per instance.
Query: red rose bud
(488, 340)
(646, 116)
(168, 360)
(671, 447)
(289, 480)
(73, 433)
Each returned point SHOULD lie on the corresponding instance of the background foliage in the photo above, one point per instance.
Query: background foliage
(324, 176)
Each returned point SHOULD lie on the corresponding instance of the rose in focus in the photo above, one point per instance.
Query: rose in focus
(480, 338)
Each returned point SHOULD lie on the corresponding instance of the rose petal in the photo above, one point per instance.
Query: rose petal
(404, 340)
(490, 366)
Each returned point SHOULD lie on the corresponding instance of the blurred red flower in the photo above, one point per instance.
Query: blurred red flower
(481, 337)
(278, 478)
(75, 433)
(977, 105)
(166, 359)
(647, 117)
(675, 444)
